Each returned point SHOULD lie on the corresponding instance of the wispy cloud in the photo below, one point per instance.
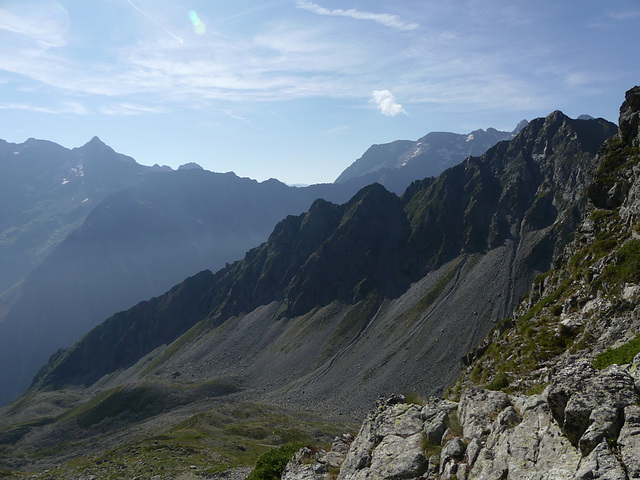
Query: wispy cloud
(45, 23)
(388, 20)
(129, 109)
(386, 103)
(73, 108)
(624, 15)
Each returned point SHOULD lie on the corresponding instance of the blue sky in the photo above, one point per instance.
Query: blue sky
(298, 89)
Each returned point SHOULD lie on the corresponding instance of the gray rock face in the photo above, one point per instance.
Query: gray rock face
(398, 458)
(601, 463)
(629, 441)
(436, 413)
(588, 404)
(308, 465)
(530, 449)
(630, 117)
(476, 408)
(389, 444)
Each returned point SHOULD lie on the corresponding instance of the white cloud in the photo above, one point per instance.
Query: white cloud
(386, 103)
(385, 19)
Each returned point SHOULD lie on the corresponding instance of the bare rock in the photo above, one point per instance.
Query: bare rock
(304, 466)
(399, 419)
(601, 464)
(389, 444)
(477, 408)
(578, 390)
(399, 458)
(629, 441)
(532, 449)
(604, 424)
(436, 414)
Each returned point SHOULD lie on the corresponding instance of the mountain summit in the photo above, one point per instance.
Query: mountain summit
(395, 165)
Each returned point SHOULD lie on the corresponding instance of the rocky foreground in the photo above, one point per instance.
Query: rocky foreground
(585, 425)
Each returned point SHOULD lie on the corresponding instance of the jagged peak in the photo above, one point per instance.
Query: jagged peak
(630, 117)
(521, 124)
(95, 141)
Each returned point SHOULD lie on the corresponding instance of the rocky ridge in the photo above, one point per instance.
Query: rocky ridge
(552, 393)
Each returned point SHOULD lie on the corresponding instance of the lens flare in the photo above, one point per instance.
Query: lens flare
(198, 25)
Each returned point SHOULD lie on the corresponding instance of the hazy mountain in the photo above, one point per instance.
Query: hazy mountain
(46, 191)
(395, 165)
(135, 244)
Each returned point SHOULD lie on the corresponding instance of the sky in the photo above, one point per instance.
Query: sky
(298, 89)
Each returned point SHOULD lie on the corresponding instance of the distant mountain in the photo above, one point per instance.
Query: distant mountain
(346, 302)
(46, 191)
(395, 165)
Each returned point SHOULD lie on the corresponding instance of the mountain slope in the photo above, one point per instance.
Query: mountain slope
(46, 191)
(343, 275)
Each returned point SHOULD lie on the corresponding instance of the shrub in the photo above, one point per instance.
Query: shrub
(627, 265)
(620, 356)
(500, 382)
(270, 465)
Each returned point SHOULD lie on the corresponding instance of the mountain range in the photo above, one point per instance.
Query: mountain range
(341, 303)
(89, 232)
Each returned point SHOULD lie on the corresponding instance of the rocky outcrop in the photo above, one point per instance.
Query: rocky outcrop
(585, 425)
(308, 464)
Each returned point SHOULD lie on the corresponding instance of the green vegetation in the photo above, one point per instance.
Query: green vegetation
(356, 319)
(500, 382)
(270, 465)
(626, 268)
(619, 154)
(414, 398)
(619, 356)
(226, 436)
(409, 317)
(430, 448)
(142, 401)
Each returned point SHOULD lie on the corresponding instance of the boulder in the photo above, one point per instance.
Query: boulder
(399, 458)
(478, 408)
